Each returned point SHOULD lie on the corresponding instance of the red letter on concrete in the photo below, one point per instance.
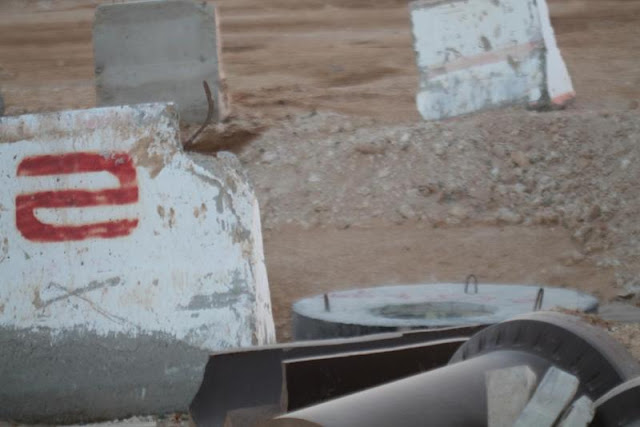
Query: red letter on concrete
(118, 164)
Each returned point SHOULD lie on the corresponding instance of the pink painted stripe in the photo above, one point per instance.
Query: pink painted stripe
(563, 99)
(517, 52)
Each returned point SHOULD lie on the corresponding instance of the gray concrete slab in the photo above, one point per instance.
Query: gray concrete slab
(620, 312)
(159, 51)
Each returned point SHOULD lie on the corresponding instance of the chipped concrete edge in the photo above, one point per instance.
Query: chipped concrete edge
(427, 4)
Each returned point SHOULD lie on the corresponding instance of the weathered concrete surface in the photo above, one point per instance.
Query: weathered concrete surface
(79, 375)
(479, 54)
(434, 305)
(123, 262)
(620, 312)
(159, 51)
(579, 414)
(555, 392)
(508, 391)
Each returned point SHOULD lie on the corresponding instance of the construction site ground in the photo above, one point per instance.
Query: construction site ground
(355, 189)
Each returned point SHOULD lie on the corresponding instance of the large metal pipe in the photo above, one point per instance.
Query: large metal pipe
(249, 378)
(455, 395)
(450, 396)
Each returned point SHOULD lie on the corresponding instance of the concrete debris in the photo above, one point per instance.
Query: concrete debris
(620, 312)
(520, 159)
(579, 414)
(555, 392)
(507, 216)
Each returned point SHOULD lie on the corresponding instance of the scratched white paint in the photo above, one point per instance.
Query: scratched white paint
(477, 54)
(193, 268)
(559, 82)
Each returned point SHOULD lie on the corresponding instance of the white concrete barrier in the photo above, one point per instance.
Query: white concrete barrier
(123, 262)
(159, 51)
(479, 54)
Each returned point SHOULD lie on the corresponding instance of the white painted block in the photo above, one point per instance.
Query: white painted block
(127, 250)
(479, 54)
(508, 391)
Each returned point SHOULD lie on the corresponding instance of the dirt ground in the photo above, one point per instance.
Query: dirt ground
(349, 203)
(313, 81)
(289, 56)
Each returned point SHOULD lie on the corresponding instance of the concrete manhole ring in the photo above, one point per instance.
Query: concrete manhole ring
(438, 305)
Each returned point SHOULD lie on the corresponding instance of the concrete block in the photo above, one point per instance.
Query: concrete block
(124, 262)
(555, 392)
(508, 391)
(159, 51)
(579, 414)
(479, 54)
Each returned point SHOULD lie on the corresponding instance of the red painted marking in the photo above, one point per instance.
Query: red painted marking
(118, 164)
(564, 98)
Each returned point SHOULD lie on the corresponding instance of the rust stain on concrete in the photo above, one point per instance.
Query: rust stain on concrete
(200, 210)
(143, 157)
(37, 302)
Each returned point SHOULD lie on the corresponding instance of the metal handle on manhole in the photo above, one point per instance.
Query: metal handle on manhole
(327, 305)
(475, 284)
(539, 297)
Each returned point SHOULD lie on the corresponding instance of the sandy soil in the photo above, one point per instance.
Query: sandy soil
(286, 58)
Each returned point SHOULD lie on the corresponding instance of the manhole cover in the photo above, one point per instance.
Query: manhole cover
(390, 308)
